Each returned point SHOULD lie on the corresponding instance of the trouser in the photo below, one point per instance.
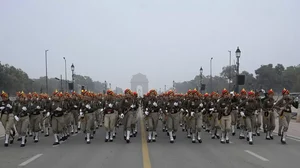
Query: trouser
(8, 122)
(97, 117)
(173, 122)
(67, 122)
(152, 119)
(74, 120)
(127, 121)
(57, 124)
(270, 121)
(233, 115)
(35, 121)
(250, 123)
(109, 122)
(22, 125)
(225, 123)
(214, 122)
(195, 123)
(101, 117)
(258, 121)
(286, 118)
(89, 122)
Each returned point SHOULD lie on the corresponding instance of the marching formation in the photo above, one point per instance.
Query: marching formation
(221, 115)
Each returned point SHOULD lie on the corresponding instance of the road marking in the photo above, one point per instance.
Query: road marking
(145, 151)
(30, 160)
(256, 155)
(294, 139)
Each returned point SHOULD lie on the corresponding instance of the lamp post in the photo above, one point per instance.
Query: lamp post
(46, 51)
(201, 77)
(66, 78)
(73, 81)
(105, 86)
(238, 55)
(211, 87)
(173, 85)
(165, 88)
(61, 83)
(229, 75)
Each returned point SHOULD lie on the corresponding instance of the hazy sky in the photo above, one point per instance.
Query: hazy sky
(164, 39)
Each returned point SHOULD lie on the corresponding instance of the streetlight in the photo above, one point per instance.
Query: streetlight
(66, 79)
(173, 85)
(72, 69)
(229, 75)
(211, 88)
(238, 55)
(61, 83)
(105, 86)
(109, 85)
(201, 72)
(46, 51)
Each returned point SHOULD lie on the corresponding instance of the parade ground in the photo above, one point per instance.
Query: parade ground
(75, 153)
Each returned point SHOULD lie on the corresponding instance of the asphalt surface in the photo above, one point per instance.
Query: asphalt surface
(75, 153)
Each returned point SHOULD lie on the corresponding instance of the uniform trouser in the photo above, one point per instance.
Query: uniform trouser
(152, 121)
(89, 122)
(35, 121)
(57, 124)
(214, 121)
(280, 124)
(258, 120)
(101, 117)
(46, 122)
(250, 123)
(22, 125)
(181, 118)
(67, 120)
(97, 117)
(127, 120)
(109, 121)
(233, 115)
(134, 120)
(286, 118)
(8, 122)
(207, 121)
(75, 114)
(226, 123)
(270, 121)
(173, 122)
(196, 122)
(116, 118)
(242, 122)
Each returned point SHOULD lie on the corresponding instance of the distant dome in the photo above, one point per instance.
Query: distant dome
(139, 78)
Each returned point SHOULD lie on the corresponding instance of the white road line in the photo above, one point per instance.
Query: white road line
(256, 155)
(298, 140)
(30, 160)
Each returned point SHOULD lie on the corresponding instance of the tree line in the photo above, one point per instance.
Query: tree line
(14, 79)
(265, 77)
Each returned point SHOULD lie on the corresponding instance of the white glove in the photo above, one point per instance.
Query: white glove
(110, 105)
(38, 107)
(146, 113)
(75, 106)
(166, 111)
(17, 118)
(202, 110)
(226, 108)
(242, 114)
(256, 112)
(88, 106)
(182, 110)
(1, 108)
(155, 104)
(132, 106)
(146, 109)
(212, 109)
(296, 99)
(187, 115)
(8, 106)
(49, 98)
(24, 108)
(232, 92)
(81, 113)
(192, 114)
(175, 104)
(58, 109)
(101, 109)
(201, 105)
(48, 114)
(121, 115)
(237, 107)
(262, 90)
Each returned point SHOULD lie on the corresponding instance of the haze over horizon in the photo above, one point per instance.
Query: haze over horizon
(165, 40)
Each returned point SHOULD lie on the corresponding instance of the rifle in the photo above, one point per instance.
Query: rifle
(283, 108)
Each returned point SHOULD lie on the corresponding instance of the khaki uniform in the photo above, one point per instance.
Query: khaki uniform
(173, 108)
(269, 117)
(194, 107)
(7, 118)
(153, 107)
(110, 115)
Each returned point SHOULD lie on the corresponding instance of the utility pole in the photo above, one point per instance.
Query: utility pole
(238, 55)
(66, 78)
(211, 87)
(46, 63)
(230, 71)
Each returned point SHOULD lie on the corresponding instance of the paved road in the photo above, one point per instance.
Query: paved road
(75, 153)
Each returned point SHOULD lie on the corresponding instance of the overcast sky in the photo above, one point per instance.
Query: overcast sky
(164, 39)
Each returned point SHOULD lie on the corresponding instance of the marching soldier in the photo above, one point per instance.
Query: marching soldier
(234, 113)
(285, 105)
(57, 116)
(241, 122)
(109, 111)
(35, 110)
(250, 105)
(224, 108)
(22, 117)
(172, 110)
(258, 113)
(152, 114)
(213, 115)
(7, 117)
(268, 114)
(194, 108)
(206, 120)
